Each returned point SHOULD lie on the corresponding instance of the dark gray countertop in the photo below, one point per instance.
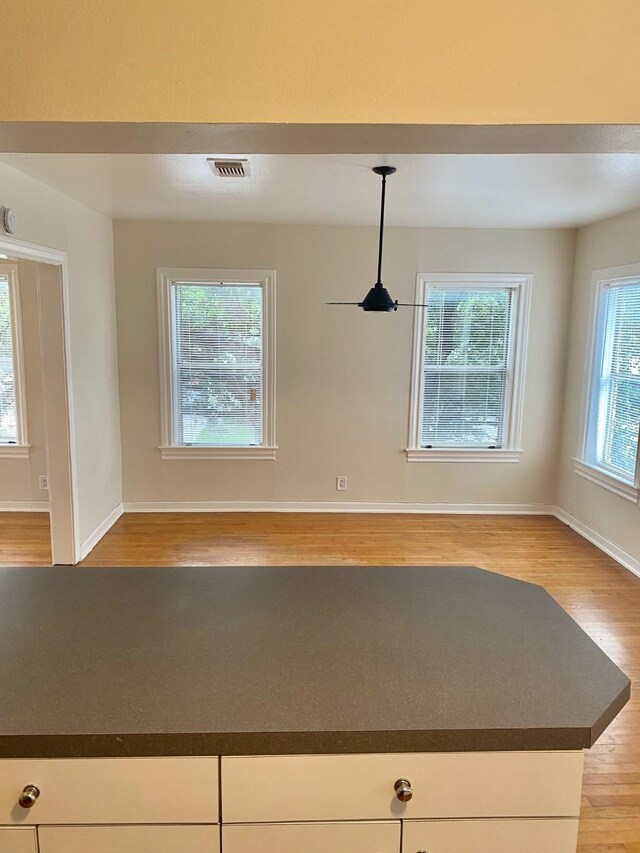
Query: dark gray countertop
(194, 661)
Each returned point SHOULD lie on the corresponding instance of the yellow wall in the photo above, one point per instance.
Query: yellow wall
(413, 61)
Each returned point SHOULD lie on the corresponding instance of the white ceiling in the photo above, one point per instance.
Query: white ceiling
(450, 190)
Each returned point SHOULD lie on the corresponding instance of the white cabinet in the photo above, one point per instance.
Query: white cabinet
(491, 802)
(490, 836)
(17, 840)
(111, 790)
(361, 787)
(382, 837)
(128, 839)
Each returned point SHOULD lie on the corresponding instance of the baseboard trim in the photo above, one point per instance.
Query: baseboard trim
(105, 525)
(338, 506)
(600, 541)
(24, 506)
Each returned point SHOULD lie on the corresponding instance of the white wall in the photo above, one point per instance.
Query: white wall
(49, 218)
(19, 477)
(610, 243)
(342, 376)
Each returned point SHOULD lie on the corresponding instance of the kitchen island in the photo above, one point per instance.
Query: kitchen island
(368, 710)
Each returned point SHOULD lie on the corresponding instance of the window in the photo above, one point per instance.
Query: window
(13, 433)
(468, 366)
(217, 363)
(610, 445)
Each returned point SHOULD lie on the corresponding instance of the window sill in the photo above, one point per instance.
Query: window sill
(14, 451)
(445, 454)
(606, 480)
(221, 453)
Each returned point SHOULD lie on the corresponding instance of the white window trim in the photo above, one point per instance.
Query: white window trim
(606, 480)
(583, 466)
(20, 450)
(267, 279)
(511, 451)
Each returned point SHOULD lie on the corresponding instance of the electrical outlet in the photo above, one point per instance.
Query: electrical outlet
(341, 484)
(44, 482)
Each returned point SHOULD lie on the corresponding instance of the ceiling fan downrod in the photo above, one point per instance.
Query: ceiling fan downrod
(378, 297)
(384, 172)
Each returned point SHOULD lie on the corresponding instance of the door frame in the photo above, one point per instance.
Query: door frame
(65, 539)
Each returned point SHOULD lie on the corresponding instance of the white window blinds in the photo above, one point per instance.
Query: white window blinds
(617, 410)
(8, 410)
(467, 364)
(217, 331)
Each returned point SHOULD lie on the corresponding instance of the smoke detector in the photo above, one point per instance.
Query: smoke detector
(229, 168)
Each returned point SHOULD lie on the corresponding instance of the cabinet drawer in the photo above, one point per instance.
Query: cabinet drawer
(361, 787)
(15, 840)
(111, 790)
(311, 837)
(491, 836)
(129, 839)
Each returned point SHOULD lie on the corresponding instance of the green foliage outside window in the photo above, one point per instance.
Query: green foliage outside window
(219, 363)
(465, 329)
(7, 387)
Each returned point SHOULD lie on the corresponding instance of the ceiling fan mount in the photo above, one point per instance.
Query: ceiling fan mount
(384, 171)
(378, 298)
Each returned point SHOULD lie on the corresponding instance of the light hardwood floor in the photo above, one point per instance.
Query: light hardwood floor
(24, 539)
(602, 596)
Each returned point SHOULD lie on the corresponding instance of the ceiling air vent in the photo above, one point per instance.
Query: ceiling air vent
(229, 168)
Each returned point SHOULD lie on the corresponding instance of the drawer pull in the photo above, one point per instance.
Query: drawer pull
(403, 790)
(28, 796)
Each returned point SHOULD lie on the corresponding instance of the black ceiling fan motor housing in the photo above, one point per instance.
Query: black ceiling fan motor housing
(378, 299)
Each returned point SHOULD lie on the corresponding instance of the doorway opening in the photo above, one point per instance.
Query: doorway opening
(37, 341)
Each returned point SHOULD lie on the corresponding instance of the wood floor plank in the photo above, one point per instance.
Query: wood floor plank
(24, 539)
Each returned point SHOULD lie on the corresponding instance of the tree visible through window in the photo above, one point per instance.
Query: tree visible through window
(614, 422)
(466, 367)
(217, 345)
(8, 409)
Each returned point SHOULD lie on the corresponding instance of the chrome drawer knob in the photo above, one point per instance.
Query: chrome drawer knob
(403, 790)
(28, 796)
